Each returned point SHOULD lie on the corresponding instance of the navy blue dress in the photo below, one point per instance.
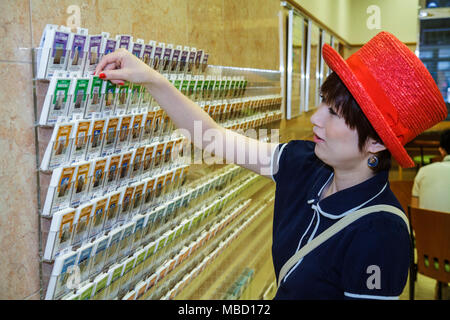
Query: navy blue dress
(368, 259)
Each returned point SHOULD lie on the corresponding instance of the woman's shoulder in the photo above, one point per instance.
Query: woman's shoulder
(381, 226)
(297, 152)
(296, 158)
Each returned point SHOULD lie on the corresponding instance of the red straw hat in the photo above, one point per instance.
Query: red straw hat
(394, 90)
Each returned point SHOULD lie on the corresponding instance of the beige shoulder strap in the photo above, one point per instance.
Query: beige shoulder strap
(335, 228)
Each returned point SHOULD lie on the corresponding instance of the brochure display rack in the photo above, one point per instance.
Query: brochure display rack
(122, 215)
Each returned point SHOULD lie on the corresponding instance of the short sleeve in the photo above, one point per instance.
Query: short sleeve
(376, 263)
(289, 158)
(275, 159)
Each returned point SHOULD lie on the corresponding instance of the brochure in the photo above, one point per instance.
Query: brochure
(59, 147)
(126, 277)
(98, 216)
(109, 94)
(85, 259)
(147, 133)
(60, 233)
(137, 164)
(82, 222)
(115, 273)
(149, 193)
(112, 173)
(149, 155)
(126, 204)
(59, 190)
(110, 133)
(136, 130)
(95, 98)
(99, 255)
(124, 133)
(78, 97)
(95, 145)
(62, 270)
(124, 169)
(97, 178)
(123, 98)
(148, 52)
(82, 178)
(81, 132)
(96, 49)
(100, 286)
(78, 47)
(57, 99)
(113, 210)
(53, 50)
(137, 198)
(113, 245)
(126, 240)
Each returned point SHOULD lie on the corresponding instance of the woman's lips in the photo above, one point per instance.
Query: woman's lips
(317, 139)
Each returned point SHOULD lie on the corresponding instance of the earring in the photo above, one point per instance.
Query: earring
(372, 162)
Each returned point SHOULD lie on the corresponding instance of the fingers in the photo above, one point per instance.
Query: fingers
(116, 76)
(110, 66)
(119, 82)
(111, 58)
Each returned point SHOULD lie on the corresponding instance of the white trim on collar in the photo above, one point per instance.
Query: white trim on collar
(321, 189)
(332, 216)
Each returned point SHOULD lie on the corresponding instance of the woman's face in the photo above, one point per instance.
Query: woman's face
(336, 143)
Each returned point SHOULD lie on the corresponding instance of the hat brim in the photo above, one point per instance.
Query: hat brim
(370, 109)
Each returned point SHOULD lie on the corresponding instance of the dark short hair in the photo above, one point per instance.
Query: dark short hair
(335, 94)
(445, 141)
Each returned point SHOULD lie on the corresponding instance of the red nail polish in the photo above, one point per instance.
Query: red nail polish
(121, 83)
(102, 76)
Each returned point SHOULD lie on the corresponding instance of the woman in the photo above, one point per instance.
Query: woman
(373, 104)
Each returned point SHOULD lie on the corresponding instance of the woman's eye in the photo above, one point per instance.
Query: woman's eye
(332, 112)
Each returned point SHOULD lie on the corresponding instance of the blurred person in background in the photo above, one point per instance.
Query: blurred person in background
(431, 189)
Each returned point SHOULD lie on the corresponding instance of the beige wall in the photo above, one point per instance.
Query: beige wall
(237, 33)
(347, 18)
(334, 14)
(396, 16)
(240, 33)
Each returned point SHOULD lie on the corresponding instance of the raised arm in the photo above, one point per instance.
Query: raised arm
(201, 129)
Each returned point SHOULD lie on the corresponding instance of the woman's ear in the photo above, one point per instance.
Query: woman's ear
(373, 146)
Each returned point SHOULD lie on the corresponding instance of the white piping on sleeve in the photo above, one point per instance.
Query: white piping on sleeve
(368, 296)
(278, 160)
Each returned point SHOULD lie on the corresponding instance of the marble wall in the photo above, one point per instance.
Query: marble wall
(235, 33)
(241, 33)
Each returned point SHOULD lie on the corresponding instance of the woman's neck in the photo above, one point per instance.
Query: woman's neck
(343, 179)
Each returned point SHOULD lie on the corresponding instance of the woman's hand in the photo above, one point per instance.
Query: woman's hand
(121, 65)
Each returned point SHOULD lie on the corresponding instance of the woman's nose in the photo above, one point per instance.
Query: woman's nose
(315, 118)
